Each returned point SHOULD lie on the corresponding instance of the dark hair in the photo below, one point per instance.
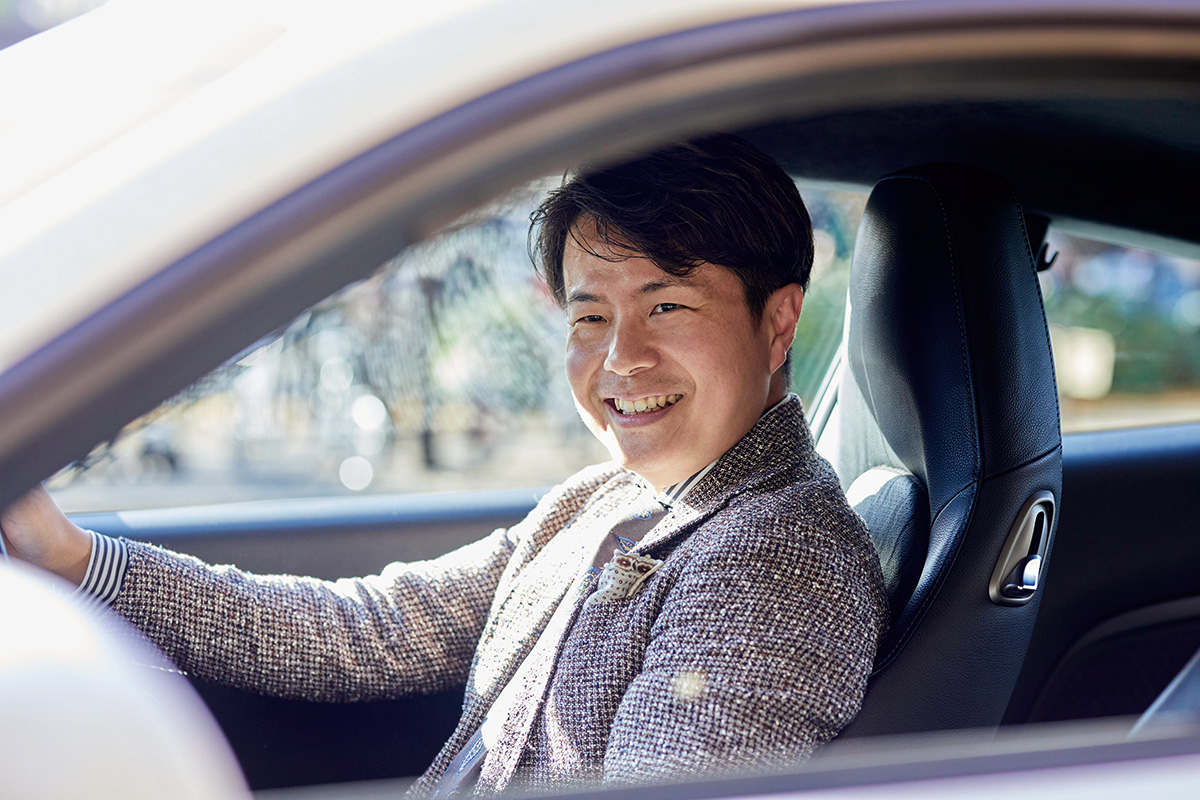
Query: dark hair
(715, 200)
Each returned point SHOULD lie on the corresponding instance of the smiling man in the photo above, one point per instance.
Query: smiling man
(730, 614)
(706, 603)
(668, 371)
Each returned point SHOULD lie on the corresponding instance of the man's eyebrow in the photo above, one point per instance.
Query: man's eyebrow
(665, 282)
(582, 297)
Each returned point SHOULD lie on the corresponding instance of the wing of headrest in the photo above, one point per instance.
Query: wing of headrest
(894, 506)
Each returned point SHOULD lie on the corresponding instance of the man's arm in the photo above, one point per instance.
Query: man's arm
(412, 628)
(761, 654)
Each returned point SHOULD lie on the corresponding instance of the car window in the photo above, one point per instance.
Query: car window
(442, 371)
(1125, 330)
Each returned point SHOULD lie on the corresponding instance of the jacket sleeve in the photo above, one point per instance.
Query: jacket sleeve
(410, 629)
(760, 654)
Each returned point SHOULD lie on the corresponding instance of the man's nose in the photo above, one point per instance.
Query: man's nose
(630, 350)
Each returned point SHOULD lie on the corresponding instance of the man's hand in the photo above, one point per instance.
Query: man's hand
(37, 531)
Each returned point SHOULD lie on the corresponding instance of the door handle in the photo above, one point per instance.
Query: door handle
(1018, 572)
(1022, 582)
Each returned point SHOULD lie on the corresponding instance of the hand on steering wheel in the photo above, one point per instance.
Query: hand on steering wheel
(37, 531)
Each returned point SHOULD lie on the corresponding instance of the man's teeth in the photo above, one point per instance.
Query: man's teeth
(644, 404)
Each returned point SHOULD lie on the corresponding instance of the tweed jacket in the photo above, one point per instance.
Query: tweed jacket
(749, 647)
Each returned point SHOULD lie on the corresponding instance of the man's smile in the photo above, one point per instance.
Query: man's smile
(643, 405)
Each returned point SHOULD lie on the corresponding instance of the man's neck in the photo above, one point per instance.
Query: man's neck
(678, 489)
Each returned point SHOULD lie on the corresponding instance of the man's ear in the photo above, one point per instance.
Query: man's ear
(780, 316)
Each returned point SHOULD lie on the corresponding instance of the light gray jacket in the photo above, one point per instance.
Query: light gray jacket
(749, 647)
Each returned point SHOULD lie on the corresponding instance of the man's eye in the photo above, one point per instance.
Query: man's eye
(663, 307)
(589, 318)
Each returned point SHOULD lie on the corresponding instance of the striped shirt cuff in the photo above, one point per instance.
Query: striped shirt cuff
(106, 569)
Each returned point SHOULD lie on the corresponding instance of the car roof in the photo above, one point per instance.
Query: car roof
(1117, 165)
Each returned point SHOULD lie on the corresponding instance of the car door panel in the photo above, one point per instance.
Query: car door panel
(1120, 614)
(330, 538)
(281, 743)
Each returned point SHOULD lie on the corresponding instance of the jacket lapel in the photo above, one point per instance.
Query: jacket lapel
(559, 576)
(533, 680)
(522, 616)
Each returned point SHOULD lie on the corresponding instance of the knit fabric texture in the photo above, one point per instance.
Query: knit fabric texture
(745, 650)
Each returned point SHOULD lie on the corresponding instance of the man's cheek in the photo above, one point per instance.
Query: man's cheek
(580, 376)
(575, 363)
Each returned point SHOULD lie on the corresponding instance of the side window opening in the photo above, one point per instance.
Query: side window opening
(442, 371)
(1125, 331)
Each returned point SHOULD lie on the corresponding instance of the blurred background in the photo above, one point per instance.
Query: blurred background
(1125, 329)
(443, 371)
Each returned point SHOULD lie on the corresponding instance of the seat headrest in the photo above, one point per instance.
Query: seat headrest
(947, 346)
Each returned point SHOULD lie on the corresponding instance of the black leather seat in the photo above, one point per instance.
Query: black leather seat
(948, 428)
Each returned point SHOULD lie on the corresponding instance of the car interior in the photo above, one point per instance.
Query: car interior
(1036, 575)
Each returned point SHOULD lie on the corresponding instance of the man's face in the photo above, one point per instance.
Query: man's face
(685, 351)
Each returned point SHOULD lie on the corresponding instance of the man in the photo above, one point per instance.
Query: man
(706, 602)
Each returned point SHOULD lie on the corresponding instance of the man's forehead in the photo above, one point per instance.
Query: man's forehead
(585, 235)
(595, 278)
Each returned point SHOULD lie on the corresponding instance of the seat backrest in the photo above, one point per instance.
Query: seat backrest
(948, 436)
